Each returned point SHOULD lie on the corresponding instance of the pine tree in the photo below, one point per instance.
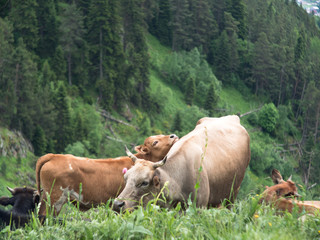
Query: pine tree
(72, 31)
(24, 19)
(163, 27)
(25, 84)
(58, 64)
(63, 135)
(177, 122)
(190, 91)
(211, 100)
(39, 141)
(48, 28)
(238, 12)
(107, 54)
(7, 69)
(136, 51)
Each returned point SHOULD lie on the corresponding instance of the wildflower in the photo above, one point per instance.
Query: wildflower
(256, 215)
(319, 231)
(270, 224)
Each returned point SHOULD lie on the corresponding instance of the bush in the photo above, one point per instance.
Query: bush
(268, 117)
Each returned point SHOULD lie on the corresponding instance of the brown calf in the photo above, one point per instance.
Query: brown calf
(278, 194)
(60, 175)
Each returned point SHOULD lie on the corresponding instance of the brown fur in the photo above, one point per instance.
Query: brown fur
(101, 179)
(279, 196)
(220, 145)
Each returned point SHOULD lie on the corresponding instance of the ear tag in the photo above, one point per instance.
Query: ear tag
(124, 170)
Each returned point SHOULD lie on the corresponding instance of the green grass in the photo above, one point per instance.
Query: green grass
(246, 220)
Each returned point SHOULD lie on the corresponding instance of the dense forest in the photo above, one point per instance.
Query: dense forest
(66, 65)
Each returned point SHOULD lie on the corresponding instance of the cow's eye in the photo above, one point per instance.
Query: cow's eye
(144, 184)
(154, 143)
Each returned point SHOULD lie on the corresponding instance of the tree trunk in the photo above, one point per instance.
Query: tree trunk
(100, 47)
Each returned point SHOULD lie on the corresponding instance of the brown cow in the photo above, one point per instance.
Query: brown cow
(101, 179)
(219, 145)
(282, 195)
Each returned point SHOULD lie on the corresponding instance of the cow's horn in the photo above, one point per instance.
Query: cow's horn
(289, 179)
(160, 163)
(130, 155)
(11, 190)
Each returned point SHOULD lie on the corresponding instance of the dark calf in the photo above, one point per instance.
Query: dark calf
(23, 202)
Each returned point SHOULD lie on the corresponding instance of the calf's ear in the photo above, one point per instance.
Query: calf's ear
(276, 176)
(141, 149)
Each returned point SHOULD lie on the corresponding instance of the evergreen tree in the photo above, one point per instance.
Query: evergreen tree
(136, 51)
(39, 141)
(222, 58)
(25, 84)
(177, 122)
(63, 135)
(263, 64)
(106, 55)
(7, 69)
(24, 19)
(48, 28)
(211, 100)
(163, 27)
(72, 31)
(238, 12)
(58, 64)
(190, 91)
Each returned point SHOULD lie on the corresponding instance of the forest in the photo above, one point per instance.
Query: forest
(80, 76)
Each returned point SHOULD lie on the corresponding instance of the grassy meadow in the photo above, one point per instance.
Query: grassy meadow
(245, 220)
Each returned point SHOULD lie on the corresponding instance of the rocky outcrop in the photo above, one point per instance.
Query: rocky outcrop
(13, 144)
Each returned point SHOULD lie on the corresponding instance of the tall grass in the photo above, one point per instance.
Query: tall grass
(245, 220)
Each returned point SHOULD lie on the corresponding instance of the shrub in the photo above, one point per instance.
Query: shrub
(268, 117)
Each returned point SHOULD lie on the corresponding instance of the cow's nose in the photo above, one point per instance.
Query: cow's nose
(173, 136)
(117, 205)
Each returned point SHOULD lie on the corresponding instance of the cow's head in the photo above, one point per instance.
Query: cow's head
(23, 199)
(156, 147)
(281, 189)
(142, 183)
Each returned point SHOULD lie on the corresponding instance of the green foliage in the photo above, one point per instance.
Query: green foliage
(268, 117)
(39, 141)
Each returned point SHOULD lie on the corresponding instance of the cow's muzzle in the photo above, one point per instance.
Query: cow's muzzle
(118, 205)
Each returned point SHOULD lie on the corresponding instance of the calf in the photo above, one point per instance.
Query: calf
(24, 201)
(61, 175)
(282, 195)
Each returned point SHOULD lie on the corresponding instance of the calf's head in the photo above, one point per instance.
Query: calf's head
(142, 184)
(281, 189)
(156, 147)
(23, 199)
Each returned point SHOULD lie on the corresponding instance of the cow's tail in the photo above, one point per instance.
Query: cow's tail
(41, 161)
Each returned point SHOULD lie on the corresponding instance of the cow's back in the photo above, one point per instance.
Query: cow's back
(222, 146)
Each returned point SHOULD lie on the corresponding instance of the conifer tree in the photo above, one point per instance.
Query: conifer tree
(7, 68)
(136, 51)
(48, 28)
(211, 100)
(72, 31)
(58, 64)
(163, 27)
(63, 135)
(238, 12)
(190, 91)
(24, 18)
(177, 122)
(25, 83)
(106, 56)
(39, 141)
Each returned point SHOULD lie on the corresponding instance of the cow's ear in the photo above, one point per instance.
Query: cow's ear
(156, 181)
(6, 201)
(276, 176)
(141, 149)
